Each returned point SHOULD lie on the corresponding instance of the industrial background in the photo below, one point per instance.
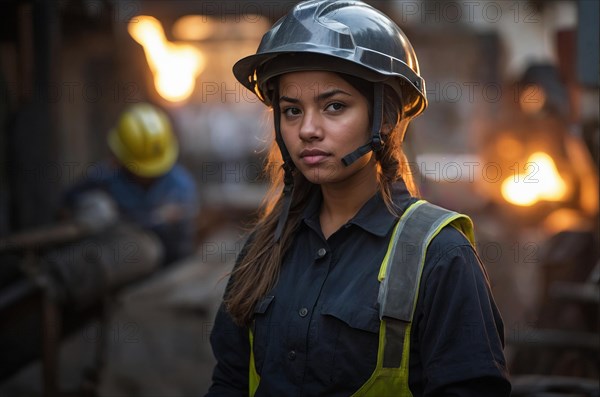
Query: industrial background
(511, 138)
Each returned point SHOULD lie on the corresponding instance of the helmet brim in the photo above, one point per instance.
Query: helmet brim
(255, 72)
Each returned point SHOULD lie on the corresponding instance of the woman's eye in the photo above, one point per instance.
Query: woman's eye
(336, 107)
(290, 112)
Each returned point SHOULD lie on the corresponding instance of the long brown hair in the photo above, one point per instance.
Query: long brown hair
(258, 269)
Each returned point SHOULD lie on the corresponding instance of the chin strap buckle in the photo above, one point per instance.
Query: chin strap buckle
(286, 197)
(288, 173)
(377, 143)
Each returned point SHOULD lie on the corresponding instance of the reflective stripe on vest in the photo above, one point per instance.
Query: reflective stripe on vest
(253, 377)
(400, 276)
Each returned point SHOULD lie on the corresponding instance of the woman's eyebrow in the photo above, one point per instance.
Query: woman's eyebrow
(329, 94)
(288, 99)
(322, 96)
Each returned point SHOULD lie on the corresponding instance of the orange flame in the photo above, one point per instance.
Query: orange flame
(542, 183)
(175, 66)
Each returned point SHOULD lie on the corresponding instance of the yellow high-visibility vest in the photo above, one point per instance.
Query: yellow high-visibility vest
(399, 277)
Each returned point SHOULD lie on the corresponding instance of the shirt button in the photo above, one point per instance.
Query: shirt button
(321, 252)
(292, 355)
(303, 312)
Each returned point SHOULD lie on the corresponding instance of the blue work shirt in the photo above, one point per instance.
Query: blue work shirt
(317, 332)
(168, 207)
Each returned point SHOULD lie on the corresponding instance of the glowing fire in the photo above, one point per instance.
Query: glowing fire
(542, 182)
(175, 66)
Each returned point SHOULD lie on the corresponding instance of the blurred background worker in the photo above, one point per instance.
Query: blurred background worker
(143, 178)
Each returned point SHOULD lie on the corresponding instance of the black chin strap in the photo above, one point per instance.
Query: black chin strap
(375, 144)
(288, 176)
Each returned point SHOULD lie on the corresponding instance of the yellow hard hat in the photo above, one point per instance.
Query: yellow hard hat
(143, 141)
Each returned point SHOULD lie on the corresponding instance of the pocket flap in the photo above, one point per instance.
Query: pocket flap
(263, 304)
(360, 317)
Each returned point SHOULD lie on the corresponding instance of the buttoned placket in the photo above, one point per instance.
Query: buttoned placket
(302, 327)
(319, 258)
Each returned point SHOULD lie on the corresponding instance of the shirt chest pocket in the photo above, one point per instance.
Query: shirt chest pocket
(262, 330)
(353, 337)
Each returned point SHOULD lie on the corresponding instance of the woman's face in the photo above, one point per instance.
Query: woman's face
(323, 119)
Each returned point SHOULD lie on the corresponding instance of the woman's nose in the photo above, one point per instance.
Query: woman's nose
(310, 128)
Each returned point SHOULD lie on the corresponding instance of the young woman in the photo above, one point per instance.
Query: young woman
(348, 284)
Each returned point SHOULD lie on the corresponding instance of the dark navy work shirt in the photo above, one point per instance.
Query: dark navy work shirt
(316, 333)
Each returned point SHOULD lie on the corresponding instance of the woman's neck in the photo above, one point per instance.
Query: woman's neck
(341, 201)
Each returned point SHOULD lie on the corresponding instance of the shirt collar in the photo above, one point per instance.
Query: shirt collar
(373, 217)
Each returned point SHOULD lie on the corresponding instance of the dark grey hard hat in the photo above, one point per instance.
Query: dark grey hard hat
(348, 37)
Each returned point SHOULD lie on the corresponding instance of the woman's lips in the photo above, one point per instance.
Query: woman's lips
(313, 156)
